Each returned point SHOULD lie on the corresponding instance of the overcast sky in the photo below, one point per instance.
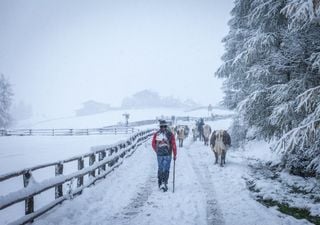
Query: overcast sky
(60, 53)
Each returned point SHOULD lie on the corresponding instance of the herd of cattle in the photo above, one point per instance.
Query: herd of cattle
(220, 140)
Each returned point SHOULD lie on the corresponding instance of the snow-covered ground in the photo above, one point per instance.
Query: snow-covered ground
(205, 193)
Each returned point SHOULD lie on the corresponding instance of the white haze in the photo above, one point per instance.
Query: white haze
(58, 54)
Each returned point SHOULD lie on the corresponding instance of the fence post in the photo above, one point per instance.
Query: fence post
(92, 159)
(102, 155)
(58, 188)
(111, 151)
(29, 202)
(30, 132)
(87, 131)
(52, 132)
(80, 167)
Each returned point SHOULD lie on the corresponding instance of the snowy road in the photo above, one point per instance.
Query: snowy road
(204, 194)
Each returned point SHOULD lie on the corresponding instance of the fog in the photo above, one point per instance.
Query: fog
(58, 54)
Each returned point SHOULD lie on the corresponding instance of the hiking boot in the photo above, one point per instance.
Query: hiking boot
(165, 188)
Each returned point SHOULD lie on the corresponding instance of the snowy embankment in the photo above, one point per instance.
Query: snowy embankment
(205, 193)
(271, 186)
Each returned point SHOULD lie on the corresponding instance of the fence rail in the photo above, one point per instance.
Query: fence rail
(67, 132)
(116, 129)
(102, 161)
(208, 118)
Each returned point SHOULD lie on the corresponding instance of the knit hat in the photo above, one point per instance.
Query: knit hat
(163, 123)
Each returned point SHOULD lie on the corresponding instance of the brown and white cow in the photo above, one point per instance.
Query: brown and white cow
(195, 133)
(219, 142)
(180, 135)
(206, 133)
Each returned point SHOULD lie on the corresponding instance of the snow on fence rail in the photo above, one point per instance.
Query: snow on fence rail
(116, 129)
(209, 118)
(67, 132)
(109, 157)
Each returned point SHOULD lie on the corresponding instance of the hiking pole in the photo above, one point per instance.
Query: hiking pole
(174, 173)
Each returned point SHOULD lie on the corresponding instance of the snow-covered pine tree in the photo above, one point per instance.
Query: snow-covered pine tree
(247, 64)
(5, 102)
(301, 144)
(234, 50)
(273, 76)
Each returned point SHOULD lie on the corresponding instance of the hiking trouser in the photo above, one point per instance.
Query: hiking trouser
(163, 169)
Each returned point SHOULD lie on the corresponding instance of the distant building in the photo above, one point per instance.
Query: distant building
(92, 107)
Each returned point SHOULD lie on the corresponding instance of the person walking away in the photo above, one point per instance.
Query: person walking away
(164, 144)
(200, 129)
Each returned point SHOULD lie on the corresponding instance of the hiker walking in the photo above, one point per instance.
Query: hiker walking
(200, 129)
(164, 144)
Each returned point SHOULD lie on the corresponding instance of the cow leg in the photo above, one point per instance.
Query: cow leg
(216, 156)
(223, 157)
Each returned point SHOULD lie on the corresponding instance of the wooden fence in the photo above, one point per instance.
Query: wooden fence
(102, 160)
(116, 129)
(67, 132)
(207, 118)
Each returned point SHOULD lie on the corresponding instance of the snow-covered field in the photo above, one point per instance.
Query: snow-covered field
(204, 192)
(18, 152)
(112, 117)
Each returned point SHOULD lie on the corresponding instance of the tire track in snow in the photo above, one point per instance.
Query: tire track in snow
(135, 206)
(214, 214)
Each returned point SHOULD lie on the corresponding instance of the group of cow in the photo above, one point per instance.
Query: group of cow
(220, 140)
